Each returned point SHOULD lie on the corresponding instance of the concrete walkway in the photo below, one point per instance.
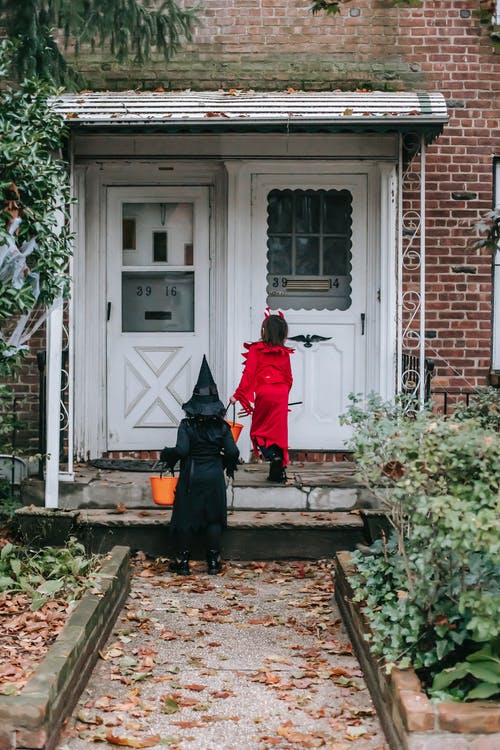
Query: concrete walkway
(254, 659)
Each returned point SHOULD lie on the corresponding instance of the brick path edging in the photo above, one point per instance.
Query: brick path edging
(410, 720)
(32, 720)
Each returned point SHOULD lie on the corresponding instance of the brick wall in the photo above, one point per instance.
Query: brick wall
(440, 46)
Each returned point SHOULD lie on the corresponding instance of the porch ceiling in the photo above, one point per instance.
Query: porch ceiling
(235, 111)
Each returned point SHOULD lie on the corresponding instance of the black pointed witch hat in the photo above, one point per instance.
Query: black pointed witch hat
(205, 399)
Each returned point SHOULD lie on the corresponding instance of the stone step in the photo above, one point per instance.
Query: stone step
(327, 486)
(251, 535)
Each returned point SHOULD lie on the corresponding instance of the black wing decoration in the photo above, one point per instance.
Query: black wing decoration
(309, 340)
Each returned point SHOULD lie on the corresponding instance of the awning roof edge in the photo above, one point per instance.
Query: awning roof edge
(255, 111)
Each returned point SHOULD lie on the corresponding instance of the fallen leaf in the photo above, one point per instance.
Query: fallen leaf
(169, 706)
(144, 741)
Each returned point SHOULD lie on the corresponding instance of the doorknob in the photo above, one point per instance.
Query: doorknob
(108, 311)
(309, 340)
(363, 318)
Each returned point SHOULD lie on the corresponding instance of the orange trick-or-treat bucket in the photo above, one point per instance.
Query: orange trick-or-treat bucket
(163, 489)
(236, 429)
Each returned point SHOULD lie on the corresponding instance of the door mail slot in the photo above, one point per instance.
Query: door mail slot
(157, 315)
(146, 294)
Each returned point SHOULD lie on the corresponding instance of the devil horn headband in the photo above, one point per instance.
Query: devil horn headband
(267, 313)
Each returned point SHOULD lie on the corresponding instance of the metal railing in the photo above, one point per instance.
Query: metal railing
(410, 375)
(445, 401)
(41, 358)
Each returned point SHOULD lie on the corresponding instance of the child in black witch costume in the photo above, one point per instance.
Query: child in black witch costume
(205, 447)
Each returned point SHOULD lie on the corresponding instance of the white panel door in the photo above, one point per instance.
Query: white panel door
(315, 270)
(158, 309)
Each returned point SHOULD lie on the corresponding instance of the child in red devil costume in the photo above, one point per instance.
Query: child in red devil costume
(263, 393)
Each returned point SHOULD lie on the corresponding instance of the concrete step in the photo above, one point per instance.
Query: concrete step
(251, 535)
(327, 486)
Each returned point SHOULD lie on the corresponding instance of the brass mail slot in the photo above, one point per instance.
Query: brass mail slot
(308, 285)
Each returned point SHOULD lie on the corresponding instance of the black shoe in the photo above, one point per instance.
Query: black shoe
(277, 472)
(181, 564)
(214, 562)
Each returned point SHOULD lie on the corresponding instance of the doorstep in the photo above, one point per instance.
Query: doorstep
(329, 486)
(410, 720)
(32, 720)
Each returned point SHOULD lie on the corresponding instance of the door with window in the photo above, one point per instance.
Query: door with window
(310, 246)
(158, 310)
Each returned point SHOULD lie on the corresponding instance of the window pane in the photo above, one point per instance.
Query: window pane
(309, 249)
(336, 257)
(156, 233)
(157, 301)
(160, 247)
(307, 213)
(306, 255)
(280, 211)
(336, 212)
(279, 255)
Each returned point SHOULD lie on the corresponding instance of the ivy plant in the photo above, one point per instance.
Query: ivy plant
(431, 590)
(35, 239)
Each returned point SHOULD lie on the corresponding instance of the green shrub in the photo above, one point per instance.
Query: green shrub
(484, 406)
(431, 591)
(48, 573)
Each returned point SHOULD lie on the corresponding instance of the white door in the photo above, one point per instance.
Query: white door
(158, 309)
(309, 240)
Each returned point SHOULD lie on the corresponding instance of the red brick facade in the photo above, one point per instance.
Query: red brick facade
(441, 46)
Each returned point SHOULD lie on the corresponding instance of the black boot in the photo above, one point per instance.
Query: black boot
(181, 563)
(276, 471)
(214, 562)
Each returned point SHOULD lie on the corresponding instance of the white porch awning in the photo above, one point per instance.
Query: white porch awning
(235, 110)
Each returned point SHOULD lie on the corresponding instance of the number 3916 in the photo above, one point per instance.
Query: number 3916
(146, 291)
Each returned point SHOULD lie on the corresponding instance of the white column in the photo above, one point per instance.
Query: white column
(495, 360)
(399, 282)
(53, 403)
(422, 273)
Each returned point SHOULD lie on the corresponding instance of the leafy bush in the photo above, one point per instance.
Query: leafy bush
(62, 572)
(484, 406)
(431, 591)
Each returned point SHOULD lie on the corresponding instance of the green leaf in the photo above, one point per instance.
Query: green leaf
(15, 564)
(486, 671)
(483, 691)
(447, 676)
(37, 602)
(6, 550)
(6, 583)
(169, 706)
(51, 587)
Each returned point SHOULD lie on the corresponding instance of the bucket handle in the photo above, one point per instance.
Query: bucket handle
(233, 420)
(161, 466)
